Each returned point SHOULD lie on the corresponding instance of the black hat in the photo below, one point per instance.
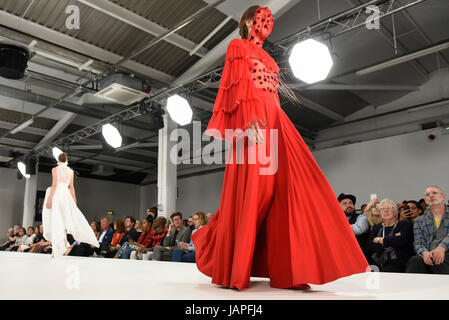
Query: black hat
(343, 196)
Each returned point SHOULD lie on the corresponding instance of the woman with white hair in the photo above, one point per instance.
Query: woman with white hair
(390, 243)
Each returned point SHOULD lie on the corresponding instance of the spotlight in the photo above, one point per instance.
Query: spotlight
(310, 61)
(22, 168)
(179, 110)
(112, 136)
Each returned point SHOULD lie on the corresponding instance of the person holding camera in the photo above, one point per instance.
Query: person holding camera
(411, 211)
(390, 243)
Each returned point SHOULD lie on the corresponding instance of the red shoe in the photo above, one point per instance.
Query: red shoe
(303, 286)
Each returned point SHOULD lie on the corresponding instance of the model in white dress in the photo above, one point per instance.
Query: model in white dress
(64, 217)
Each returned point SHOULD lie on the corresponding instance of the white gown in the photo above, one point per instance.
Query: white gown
(64, 217)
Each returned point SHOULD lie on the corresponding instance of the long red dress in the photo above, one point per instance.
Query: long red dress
(287, 226)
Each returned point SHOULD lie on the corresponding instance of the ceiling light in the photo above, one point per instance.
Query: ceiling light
(56, 152)
(22, 168)
(179, 110)
(310, 61)
(22, 126)
(112, 136)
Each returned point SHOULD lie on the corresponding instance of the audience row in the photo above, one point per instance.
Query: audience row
(412, 237)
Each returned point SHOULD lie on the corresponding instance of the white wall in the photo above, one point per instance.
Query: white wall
(398, 167)
(11, 199)
(148, 198)
(199, 193)
(96, 197)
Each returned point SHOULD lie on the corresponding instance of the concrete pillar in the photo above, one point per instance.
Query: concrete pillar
(167, 170)
(29, 201)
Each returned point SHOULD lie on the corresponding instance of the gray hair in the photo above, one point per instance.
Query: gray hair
(434, 187)
(395, 206)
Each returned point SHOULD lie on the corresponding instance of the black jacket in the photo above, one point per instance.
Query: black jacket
(131, 234)
(402, 245)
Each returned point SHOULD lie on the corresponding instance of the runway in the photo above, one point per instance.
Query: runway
(37, 276)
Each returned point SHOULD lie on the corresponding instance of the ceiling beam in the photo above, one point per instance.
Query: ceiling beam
(315, 106)
(73, 44)
(56, 130)
(133, 19)
(358, 87)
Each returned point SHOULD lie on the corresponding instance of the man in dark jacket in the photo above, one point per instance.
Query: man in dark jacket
(358, 222)
(177, 232)
(106, 235)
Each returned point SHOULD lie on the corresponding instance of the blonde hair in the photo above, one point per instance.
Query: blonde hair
(202, 216)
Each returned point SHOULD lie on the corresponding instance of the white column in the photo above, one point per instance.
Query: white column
(29, 201)
(167, 170)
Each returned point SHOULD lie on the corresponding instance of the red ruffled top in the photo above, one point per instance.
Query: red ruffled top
(248, 69)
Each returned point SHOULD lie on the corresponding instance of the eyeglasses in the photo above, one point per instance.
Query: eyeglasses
(431, 193)
(386, 208)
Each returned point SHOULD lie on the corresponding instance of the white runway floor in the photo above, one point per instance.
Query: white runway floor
(40, 277)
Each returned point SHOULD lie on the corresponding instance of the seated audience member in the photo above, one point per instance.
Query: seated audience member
(20, 240)
(177, 232)
(358, 222)
(119, 227)
(42, 246)
(138, 227)
(81, 249)
(144, 240)
(153, 212)
(105, 237)
(390, 243)
(190, 223)
(372, 213)
(185, 252)
(423, 204)
(11, 240)
(39, 236)
(16, 229)
(29, 241)
(209, 216)
(160, 232)
(130, 232)
(412, 210)
(363, 207)
(431, 231)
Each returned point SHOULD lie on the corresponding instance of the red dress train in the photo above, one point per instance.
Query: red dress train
(287, 226)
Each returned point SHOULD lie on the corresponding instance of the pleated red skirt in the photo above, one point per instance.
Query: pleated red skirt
(287, 226)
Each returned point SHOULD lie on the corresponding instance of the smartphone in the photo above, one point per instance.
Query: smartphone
(373, 196)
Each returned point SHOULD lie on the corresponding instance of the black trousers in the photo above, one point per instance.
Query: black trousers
(416, 265)
(82, 250)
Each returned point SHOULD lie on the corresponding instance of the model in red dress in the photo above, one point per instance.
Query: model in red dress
(288, 225)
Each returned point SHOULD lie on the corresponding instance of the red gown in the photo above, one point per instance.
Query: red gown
(287, 226)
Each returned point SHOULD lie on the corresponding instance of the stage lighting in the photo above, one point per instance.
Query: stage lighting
(112, 136)
(22, 168)
(56, 152)
(179, 110)
(310, 61)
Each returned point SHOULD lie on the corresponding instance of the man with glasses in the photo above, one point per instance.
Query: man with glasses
(431, 232)
(177, 232)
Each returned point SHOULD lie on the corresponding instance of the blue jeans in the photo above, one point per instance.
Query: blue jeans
(179, 255)
(125, 250)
